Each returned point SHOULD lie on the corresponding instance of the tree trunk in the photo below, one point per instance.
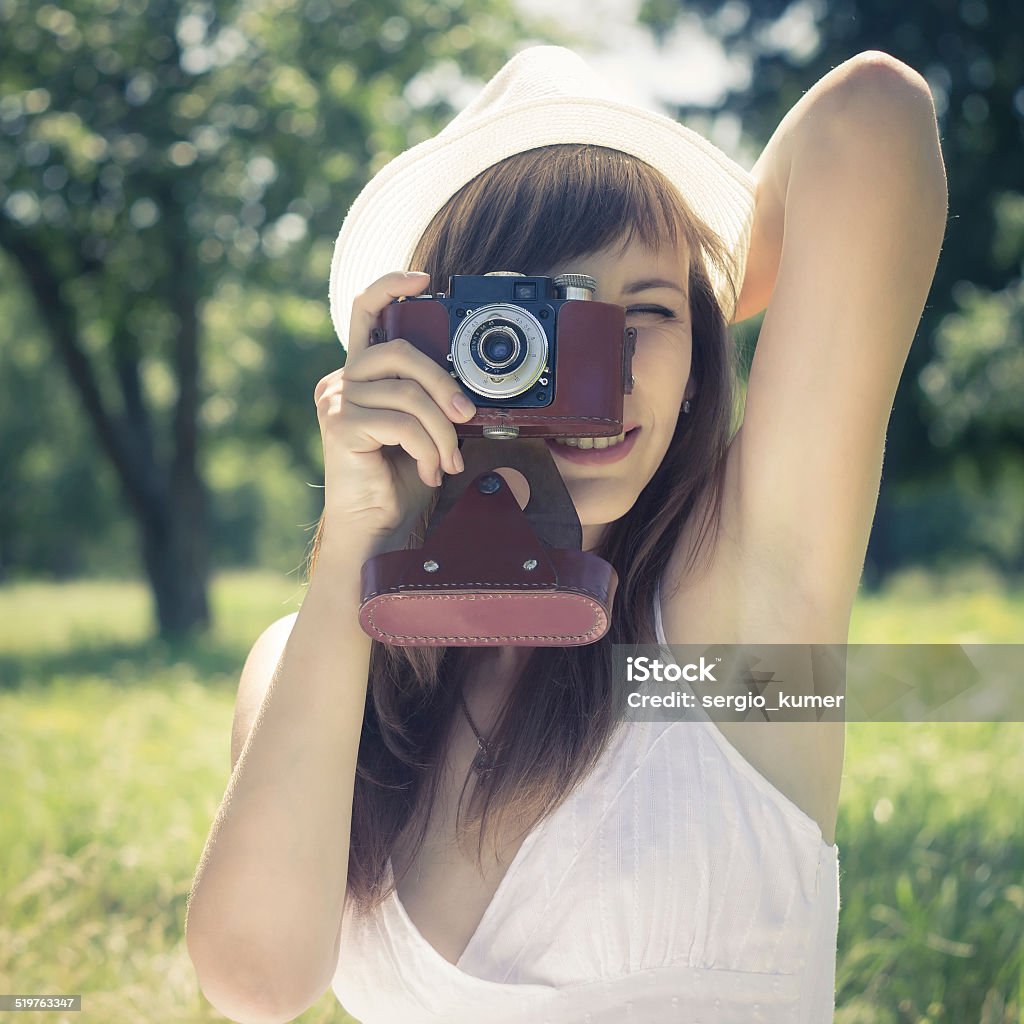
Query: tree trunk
(176, 554)
(170, 506)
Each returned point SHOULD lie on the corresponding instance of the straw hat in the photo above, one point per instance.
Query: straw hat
(544, 95)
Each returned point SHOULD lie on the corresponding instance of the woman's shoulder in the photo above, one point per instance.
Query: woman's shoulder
(257, 673)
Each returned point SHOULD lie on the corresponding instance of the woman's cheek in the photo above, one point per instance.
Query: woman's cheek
(661, 366)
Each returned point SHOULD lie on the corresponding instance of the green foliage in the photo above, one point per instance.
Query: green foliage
(168, 169)
(163, 160)
(48, 465)
(257, 122)
(976, 512)
(117, 755)
(976, 379)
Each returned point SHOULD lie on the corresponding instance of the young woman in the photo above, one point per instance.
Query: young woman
(653, 871)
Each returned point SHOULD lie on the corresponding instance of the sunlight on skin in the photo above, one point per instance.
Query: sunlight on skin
(661, 368)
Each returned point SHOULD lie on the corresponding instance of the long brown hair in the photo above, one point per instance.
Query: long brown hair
(534, 210)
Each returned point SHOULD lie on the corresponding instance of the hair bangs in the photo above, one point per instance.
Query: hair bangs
(552, 204)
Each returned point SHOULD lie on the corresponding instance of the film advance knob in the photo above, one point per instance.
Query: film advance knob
(577, 286)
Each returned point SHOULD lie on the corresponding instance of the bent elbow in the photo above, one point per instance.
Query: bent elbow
(245, 991)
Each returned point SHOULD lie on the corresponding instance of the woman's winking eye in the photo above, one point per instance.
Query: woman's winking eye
(652, 309)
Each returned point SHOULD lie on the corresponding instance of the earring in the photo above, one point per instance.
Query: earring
(686, 406)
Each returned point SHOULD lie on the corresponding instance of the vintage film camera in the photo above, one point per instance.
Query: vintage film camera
(539, 357)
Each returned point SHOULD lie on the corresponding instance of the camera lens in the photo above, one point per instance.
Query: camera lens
(498, 346)
(499, 350)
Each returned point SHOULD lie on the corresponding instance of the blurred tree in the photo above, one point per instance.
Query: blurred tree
(959, 397)
(47, 463)
(158, 158)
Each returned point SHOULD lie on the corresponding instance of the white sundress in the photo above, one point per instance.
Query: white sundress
(675, 883)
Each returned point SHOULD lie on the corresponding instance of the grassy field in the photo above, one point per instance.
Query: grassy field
(116, 755)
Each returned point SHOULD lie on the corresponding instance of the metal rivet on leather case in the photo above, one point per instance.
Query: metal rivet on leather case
(489, 484)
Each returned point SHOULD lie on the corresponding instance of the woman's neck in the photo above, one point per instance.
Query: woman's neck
(489, 675)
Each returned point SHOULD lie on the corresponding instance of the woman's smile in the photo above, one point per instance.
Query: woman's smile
(595, 456)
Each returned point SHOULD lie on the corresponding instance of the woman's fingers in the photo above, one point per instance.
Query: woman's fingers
(368, 305)
(375, 428)
(331, 380)
(401, 359)
(410, 396)
(386, 417)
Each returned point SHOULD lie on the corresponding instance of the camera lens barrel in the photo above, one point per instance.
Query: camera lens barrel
(499, 350)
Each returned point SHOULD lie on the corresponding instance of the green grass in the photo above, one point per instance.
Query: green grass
(970, 606)
(116, 755)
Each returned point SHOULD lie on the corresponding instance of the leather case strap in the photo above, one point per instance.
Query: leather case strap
(490, 573)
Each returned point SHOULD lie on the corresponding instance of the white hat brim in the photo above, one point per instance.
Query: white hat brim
(388, 217)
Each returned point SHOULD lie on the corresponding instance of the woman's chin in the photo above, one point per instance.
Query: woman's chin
(596, 516)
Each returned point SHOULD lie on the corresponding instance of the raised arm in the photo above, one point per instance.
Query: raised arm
(851, 213)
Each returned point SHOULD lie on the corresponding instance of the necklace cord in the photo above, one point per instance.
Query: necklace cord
(482, 763)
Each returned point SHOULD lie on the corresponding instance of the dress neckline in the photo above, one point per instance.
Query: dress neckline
(500, 893)
(489, 910)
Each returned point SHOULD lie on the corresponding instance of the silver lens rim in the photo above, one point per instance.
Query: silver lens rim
(529, 371)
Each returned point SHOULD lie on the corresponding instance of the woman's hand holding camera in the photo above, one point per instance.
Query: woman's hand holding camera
(387, 423)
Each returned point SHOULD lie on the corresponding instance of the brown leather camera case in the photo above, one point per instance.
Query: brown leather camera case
(490, 573)
(595, 360)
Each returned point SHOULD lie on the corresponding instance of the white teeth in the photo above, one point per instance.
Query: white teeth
(592, 442)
